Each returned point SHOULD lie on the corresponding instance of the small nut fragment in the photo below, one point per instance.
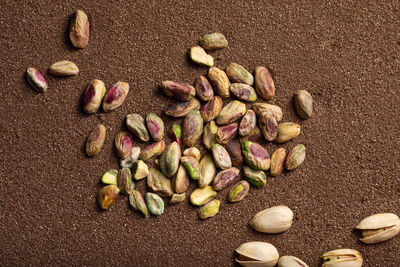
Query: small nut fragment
(265, 86)
(181, 109)
(110, 177)
(192, 167)
(169, 161)
(233, 111)
(200, 195)
(123, 144)
(213, 41)
(203, 89)
(79, 29)
(93, 96)
(199, 56)
(295, 157)
(227, 133)
(176, 198)
(225, 177)
(192, 152)
(287, 131)
(36, 80)
(219, 81)
(64, 68)
(158, 183)
(192, 128)
(179, 90)
(235, 152)
(210, 209)
(221, 157)
(107, 196)
(277, 161)
(152, 150)
(291, 261)
(272, 220)
(137, 203)
(255, 177)
(257, 253)
(141, 170)
(304, 104)
(210, 135)
(95, 140)
(247, 123)
(238, 191)
(274, 109)
(207, 171)
(115, 96)
(211, 109)
(342, 258)
(135, 124)
(254, 136)
(154, 203)
(131, 159)
(268, 125)
(180, 181)
(379, 228)
(176, 133)
(125, 183)
(256, 156)
(238, 74)
(155, 125)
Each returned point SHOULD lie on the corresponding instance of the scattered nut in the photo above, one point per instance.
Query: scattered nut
(95, 140)
(64, 68)
(115, 96)
(213, 41)
(199, 56)
(79, 29)
(93, 96)
(272, 220)
(36, 80)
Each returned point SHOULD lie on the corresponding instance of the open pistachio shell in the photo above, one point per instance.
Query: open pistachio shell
(379, 227)
(342, 258)
(272, 220)
(257, 253)
(291, 261)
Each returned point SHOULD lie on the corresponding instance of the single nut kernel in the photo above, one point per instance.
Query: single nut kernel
(64, 68)
(213, 41)
(179, 90)
(200, 195)
(238, 191)
(287, 131)
(268, 125)
(110, 177)
(238, 74)
(115, 96)
(158, 183)
(123, 144)
(342, 257)
(256, 156)
(257, 254)
(212, 109)
(79, 29)
(203, 89)
(291, 261)
(207, 171)
(272, 220)
(170, 158)
(254, 136)
(125, 183)
(140, 170)
(135, 124)
(176, 133)
(178, 110)
(176, 198)
(277, 161)
(296, 157)
(274, 109)
(36, 80)
(221, 157)
(180, 181)
(243, 91)
(225, 177)
(235, 153)
(210, 135)
(303, 103)
(247, 123)
(152, 150)
(192, 167)
(192, 128)
(154, 203)
(131, 159)
(137, 203)
(210, 209)
(107, 196)
(227, 133)
(256, 178)
(155, 125)
(379, 228)
(265, 85)
(233, 111)
(192, 152)
(95, 140)
(219, 81)
(93, 96)
(199, 56)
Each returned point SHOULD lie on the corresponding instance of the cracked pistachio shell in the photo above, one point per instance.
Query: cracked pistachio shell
(238, 191)
(95, 140)
(64, 68)
(238, 74)
(342, 258)
(243, 91)
(268, 125)
(110, 177)
(176, 133)
(256, 253)
(256, 156)
(277, 162)
(192, 167)
(213, 41)
(221, 157)
(176, 198)
(192, 128)
(203, 89)
(227, 133)
(154, 203)
(192, 152)
(207, 170)
(235, 152)
(247, 123)
(125, 183)
(210, 135)
(155, 125)
(115, 96)
(123, 144)
(254, 136)
(180, 109)
(135, 124)
(93, 96)
(140, 170)
(287, 131)
(272, 220)
(219, 81)
(211, 109)
(291, 261)
(201, 195)
(169, 161)
(79, 29)
(265, 85)
(36, 80)
(179, 90)
(275, 110)
(296, 157)
(133, 157)
(137, 202)
(225, 178)
(180, 181)
(158, 183)
(107, 196)
(255, 177)
(233, 111)
(303, 103)
(379, 228)
(200, 57)
(152, 150)
(210, 209)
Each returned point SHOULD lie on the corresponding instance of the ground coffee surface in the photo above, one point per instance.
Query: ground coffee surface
(345, 53)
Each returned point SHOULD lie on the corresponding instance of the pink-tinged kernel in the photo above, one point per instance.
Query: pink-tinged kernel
(112, 94)
(258, 151)
(36, 80)
(115, 96)
(89, 94)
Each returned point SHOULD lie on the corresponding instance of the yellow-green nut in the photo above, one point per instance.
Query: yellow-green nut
(123, 144)
(176, 198)
(233, 111)
(212, 109)
(287, 131)
(256, 178)
(226, 133)
(125, 183)
(210, 209)
(155, 125)
(265, 86)
(158, 183)
(213, 41)
(93, 96)
(180, 181)
(170, 158)
(176, 133)
(221, 157)
(96, 140)
(296, 157)
(238, 74)
(192, 167)
(155, 204)
(192, 128)
(268, 125)
(107, 196)
(256, 253)
(115, 96)
(277, 162)
(192, 152)
(254, 136)
(200, 195)
(238, 191)
(210, 135)
(203, 89)
(225, 178)
(199, 56)
(247, 123)
(379, 228)
(272, 220)
(207, 170)
(140, 170)
(342, 258)
(219, 81)
(137, 202)
(135, 124)
(303, 103)
(256, 156)
(180, 109)
(64, 68)
(152, 150)
(110, 177)
(79, 29)
(179, 90)
(275, 110)
(291, 261)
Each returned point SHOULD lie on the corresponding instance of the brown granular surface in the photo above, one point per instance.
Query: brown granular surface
(345, 53)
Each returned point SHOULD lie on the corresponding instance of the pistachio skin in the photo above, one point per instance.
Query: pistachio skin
(296, 157)
(238, 74)
(275, 110)
(248, 123)
(255, 177)
(219, 81)
(154, 203)
(207, 170)
(137, 202)
(268, 125)
(176, 133)
(152, 150)
(226, 133)
(235, 153)
(123, 144)
(176, 198)
(192, 167)
(287, 131)
(79, 29)
(232, 112)
(180, 181)
(210, 135)
(277, 161)
(158, 183)
(125, 183)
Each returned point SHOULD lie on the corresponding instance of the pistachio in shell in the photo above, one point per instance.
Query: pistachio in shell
(379, 228)
(291, 261)
(256, 156)
(341, 258)
(257, 253)
(272, 220)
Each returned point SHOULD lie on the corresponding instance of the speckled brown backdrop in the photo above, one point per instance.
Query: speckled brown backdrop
(346, 53)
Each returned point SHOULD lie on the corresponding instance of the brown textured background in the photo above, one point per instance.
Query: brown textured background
(346, 53)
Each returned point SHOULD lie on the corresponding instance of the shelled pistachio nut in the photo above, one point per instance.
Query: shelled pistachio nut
(192, 152)
(225, 178)
(131, 159)
(107, 196)
(226, 133)
(93, 96)
(180, 181)
(219, 81)
(95, 140)
(256, 156)
(247, 123)
(210, 135)
(238, 74)
(256, 253)
(277, 162)
(275, 110)
(64, 68)
(207, 170)
(135, 124)
(255, 177)
(200, 195)
(155, 125)
(192, 128)
(265, 85)
(238, 191)
(154, 203)
(153, 150)
(233, 111)
(158, 183)
(79, 29)
(254, 136)
(110, 177)
(140, 170)
(211, 109)
(379, 227)
(125, 183)
(296, 157)
(342, 258)
(192, 167)
(287, 131)
(303, 103)
(36, 80)
(235, 152)
(210, 209)
(199, 56)
(291, 261)
(179, 90)
(213, 41)
(115, 96)
(123, 144)
(137, 202)
(176, 133)
(203, 89)
(221, 157)
(268, 125)
(243, 91)
(176, 198)
(180, 109)
(272, 220)
(170, 158)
